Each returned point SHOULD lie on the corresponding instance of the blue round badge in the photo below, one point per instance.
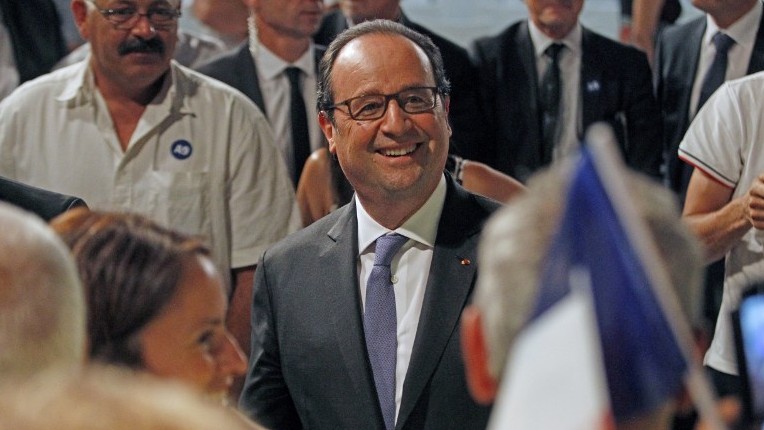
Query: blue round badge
(181, 149)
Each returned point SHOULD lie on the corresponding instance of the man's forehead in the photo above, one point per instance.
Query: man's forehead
(358, 49)
(171, 3)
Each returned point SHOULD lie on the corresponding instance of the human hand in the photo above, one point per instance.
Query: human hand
(754, 203)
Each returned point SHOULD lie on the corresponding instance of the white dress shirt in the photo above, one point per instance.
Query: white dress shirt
(570, 74)
(739, 55)
(410, 270)
(274, 85)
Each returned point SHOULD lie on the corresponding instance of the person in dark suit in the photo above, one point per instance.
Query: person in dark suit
(463, 114)
(34, 39)
(45, 204)
(684, 56)
(599, 80)
(329, 349)
(280, 39)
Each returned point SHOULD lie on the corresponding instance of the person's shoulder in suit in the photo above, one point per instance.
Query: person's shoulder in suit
(308, 237)
(332, 24)
(676, 37)
(675, 31)
(222, 67)
(46, 204)
(616, 55)
(492, 45)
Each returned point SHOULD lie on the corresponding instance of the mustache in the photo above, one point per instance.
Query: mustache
(154, 45)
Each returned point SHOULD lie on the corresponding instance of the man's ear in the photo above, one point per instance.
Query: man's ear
(80, 14)
(447, 107)
(327, 127)
(481, 384)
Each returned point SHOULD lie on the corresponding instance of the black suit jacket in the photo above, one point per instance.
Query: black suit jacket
(46, 204)
(616, 87)
(237, 69)
(309, 366)
(676, 60)
(34, 29)
(464, 116)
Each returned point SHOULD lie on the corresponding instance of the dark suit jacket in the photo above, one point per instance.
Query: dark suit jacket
(676, 61)
(237, 69)
(46, 204)
(616, 87)
(464, 114)
(309, 366)
(34, 29)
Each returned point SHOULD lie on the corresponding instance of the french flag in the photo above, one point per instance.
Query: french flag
(600, 347)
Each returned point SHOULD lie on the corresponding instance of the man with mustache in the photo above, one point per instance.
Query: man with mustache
(129, 129)
(545, 80)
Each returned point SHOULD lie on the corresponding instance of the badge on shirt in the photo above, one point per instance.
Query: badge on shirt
(181, 149)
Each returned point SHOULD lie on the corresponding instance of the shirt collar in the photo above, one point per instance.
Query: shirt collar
(541, 41)
(421, 227)
(740, 31)
(80, 90)
(270, 66)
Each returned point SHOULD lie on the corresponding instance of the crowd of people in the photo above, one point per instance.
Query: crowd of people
(278, 206)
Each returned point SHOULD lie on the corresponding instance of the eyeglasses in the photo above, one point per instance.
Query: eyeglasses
(374, 106)
(125, 18)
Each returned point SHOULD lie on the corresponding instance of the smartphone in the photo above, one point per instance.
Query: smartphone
(748, 322)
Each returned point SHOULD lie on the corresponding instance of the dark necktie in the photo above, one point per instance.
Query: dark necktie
(299, 120)
(380, 324)
(550, 94)
(715, 75)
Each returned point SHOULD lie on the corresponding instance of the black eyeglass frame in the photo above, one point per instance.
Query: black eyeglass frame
(387, 97)
(114, 16)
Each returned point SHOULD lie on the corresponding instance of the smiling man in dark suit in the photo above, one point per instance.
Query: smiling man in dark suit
(537, 108)
(347, 333)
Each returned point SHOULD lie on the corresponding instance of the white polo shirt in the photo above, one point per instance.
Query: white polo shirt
(201, 160)
(725, 141)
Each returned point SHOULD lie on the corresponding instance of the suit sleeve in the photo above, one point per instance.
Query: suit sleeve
(644, 124)
(266, 397)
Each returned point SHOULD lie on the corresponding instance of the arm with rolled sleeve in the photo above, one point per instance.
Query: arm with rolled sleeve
(719, 144)
(263, 210)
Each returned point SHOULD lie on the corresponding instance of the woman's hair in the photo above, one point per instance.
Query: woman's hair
(130, 268)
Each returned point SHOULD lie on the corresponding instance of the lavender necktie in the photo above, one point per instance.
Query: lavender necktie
(380, 324)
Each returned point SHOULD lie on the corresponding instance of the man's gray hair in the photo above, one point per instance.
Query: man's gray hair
(42, 303)
(516, 240)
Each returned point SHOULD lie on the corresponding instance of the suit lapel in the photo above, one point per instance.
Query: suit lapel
(527, 90)
(345, 301)
(246, 74)
(452, 274)
(757, 55)
(688, 65)
(592, 85)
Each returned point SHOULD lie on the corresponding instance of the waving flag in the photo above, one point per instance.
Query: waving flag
(599, 347)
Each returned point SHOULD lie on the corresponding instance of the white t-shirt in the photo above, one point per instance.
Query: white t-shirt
(726, 141)
(201, 160)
